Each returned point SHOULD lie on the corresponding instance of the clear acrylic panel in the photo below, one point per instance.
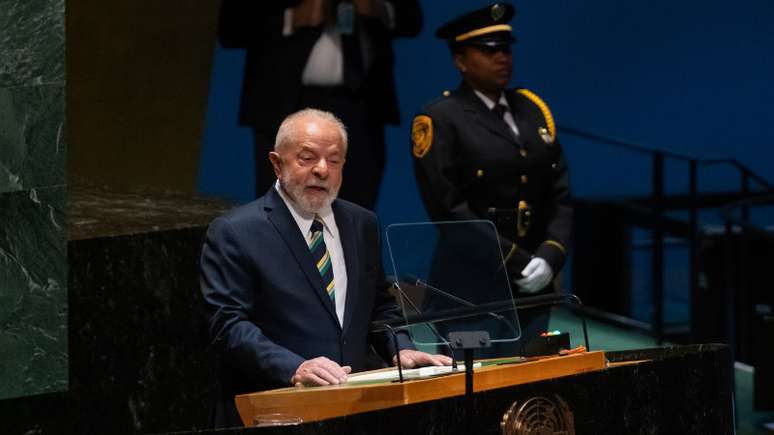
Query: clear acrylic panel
(450, 270)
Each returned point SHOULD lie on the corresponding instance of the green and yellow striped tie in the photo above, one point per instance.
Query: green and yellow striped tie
(322, 257)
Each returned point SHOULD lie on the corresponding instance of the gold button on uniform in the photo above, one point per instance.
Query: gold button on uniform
(524, 179)
(523, 152)
(446, 93)
(480, 173)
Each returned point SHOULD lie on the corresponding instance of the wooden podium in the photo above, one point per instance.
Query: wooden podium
(318, 403)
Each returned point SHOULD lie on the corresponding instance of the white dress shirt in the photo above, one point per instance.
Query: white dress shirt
(325, 65)
(508, 116)
(332, 243)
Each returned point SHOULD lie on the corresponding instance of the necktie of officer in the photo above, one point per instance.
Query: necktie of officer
(500, 110)
(321, 256)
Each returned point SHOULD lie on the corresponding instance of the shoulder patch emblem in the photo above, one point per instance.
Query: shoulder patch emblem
(422, 135)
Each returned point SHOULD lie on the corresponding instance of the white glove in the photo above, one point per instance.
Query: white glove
(536, 275)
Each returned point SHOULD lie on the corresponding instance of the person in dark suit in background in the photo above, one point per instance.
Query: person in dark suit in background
(485, 151)
(292, 280)
(334, 55)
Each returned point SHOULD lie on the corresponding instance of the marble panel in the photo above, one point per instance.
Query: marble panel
(137, 358)
(33, 292)
(32, 139)
(32, 42)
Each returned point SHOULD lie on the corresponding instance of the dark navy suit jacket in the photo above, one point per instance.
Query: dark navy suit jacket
(266, 306)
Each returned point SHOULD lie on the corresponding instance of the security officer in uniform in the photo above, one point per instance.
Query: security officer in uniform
(485, 151)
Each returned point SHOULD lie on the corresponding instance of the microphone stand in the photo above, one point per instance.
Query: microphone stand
(465, 302)
(466, 341)
(470, 340)
(388, 326)
(490, 307)
(404, 296)
(397, 351)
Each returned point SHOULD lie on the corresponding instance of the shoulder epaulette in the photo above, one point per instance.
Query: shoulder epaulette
(436, 100)
(543, 108)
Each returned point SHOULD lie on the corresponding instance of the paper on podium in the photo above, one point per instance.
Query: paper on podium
(392, 374)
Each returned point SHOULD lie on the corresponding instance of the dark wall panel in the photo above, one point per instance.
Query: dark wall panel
(137, 86)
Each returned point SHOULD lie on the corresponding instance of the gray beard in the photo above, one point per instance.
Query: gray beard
(308, 205)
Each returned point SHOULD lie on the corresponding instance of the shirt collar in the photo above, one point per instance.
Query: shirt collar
(489, 103)
(303, 219)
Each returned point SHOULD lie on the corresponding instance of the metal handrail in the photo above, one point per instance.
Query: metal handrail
(657, 207)
(634, 146)
(726, 212)
(621, 143)
(736, 260)
(740, 166)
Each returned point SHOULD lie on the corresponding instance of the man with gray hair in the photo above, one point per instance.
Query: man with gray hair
(292, 280)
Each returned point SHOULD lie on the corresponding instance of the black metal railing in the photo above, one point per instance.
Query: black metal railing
(649, 212)
(737, 256)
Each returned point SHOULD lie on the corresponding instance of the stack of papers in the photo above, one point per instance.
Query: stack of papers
(392, 374)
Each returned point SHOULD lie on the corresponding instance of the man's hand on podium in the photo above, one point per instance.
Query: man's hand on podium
(320, 371)
(410, 359)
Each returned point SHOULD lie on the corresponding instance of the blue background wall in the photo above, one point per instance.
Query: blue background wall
(691, 77)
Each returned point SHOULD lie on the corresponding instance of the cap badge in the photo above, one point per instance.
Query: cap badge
(497, 12)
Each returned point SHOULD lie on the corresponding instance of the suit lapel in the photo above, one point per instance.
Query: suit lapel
(351, 260)
(480, 114)
(283, 221)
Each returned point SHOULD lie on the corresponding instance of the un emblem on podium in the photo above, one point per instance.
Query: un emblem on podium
(538, 416)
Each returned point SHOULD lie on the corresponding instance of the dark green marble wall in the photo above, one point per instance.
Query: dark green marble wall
(33, 257)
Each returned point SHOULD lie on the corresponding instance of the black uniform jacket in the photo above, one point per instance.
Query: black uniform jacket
(470, 165)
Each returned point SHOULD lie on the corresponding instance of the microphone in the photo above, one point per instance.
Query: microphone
(469, 311)
(462, 301)
(489, 307)
(435, 332)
